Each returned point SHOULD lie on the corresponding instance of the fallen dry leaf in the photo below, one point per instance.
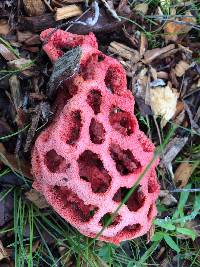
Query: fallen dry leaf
(20, 63)
(181, 68)
(34, 7)
(4, 27)
(179, 26)
(183, 173)
(123, 8)
(150, 233)
(172, 149)
(33, 127)
(37, 198)
(143, 8)
(28, 38)
(6, 53)
(167, 199)
(163, 103)
(17, 165)
(15, 91)
(71, 1)
(139, 88)
(3, 253)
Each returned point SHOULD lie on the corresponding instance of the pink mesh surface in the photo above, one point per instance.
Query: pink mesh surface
(93, 152)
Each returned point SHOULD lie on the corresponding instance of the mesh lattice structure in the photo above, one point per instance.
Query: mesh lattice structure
(93, 152)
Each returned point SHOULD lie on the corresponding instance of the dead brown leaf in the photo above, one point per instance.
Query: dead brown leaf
(143, 8)
(173, 148)
(34, 7)
(3, 253)
(179, 26)
(167, 199)
(183, 173)
(181, 67)
(123, 8)
(6, 53)
(28, 38)
(20, 63)
(163, 103)
(150, 233)
(17, 165)
(71, 1)
(4, 27)
(15, 91)
(33, 127)
(37, 198)
(131, 37)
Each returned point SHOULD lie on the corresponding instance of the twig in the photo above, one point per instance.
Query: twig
(48, 5)
(191, 190)
(112, 11)
(166, 19)
(93, 21)
(166, 16)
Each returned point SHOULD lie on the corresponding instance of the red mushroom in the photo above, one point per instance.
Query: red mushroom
(93, 152)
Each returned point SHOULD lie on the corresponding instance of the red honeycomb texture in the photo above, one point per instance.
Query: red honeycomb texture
(85, 162)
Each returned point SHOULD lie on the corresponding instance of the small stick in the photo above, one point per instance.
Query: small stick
(192, 190)
(112, 11)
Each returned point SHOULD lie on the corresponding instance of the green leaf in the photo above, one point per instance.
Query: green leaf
(181, 204)
(197, 203)
(186, 231)
(158, 236)
(170, 242)
(164, 224)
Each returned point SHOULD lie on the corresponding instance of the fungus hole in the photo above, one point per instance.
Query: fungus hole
(149, 214)
(107, 217)
(122, 121)
(146, 144)
(87, 69)
(136, 200)
(101, 57)
(65, 49)
(152, 182)
(54, 162)
(131, 229)
(94, 99)
(75, 127)
(37, 164)
(76, 206)
(97, 132)
(91, 169)
(124, 160)
(113, 79)
(45, 136)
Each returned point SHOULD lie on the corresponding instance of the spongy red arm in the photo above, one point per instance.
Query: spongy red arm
(54, 41)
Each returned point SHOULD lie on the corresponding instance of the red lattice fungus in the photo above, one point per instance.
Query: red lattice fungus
(87, 160)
